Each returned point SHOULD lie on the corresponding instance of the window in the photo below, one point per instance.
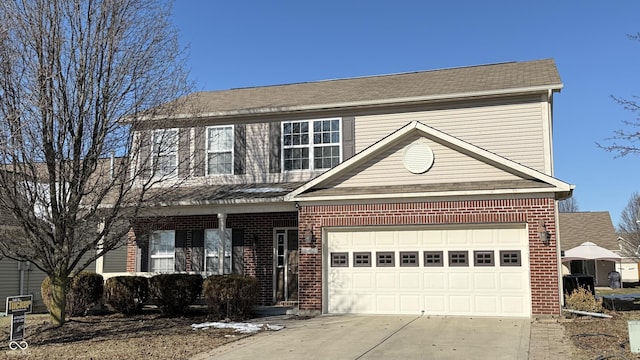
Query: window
(339, 259)
(310, 145)
(408, 258)
(510, 258)
(220, 150)
(362, 259)
(217, 251)
(458, 258)
(164, 147)
(433, 258)
(483, 258)
(162, 251)
(385, 259)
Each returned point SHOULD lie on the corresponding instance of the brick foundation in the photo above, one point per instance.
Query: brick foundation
(543, 259)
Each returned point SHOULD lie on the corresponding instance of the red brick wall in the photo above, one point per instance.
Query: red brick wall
(258, 240)
(544, 266)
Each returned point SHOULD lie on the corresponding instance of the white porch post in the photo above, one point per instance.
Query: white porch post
(222, 220)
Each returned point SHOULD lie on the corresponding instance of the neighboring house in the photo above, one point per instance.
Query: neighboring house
(630, 253)
(575, 228)
(427, 192)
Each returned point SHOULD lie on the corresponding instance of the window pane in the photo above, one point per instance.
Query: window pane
(220, 163)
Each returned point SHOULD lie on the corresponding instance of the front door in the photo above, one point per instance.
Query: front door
(285, 265)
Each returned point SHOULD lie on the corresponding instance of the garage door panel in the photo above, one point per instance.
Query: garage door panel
(436, 289)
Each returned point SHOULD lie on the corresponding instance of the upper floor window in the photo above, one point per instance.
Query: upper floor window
(220, 150)
(164, 147)
(311, 144)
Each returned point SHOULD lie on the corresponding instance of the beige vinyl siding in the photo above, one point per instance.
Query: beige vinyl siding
(10, 283)
(514, 131)
(450, 166)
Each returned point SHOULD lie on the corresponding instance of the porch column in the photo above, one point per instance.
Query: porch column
(222, 223)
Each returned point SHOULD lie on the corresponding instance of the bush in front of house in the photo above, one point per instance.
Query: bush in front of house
(126, 294)
(173, 293)
(582, 299)
(230, 296)
(84, 292)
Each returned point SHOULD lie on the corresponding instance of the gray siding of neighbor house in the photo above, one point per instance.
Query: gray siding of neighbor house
(115, 261)
(10, 280)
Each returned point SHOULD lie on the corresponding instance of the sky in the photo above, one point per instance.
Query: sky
(235, 44)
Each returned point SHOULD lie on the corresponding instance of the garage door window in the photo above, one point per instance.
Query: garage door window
(408, 258)
(339, 259)
(458, 258)
(510, 258)
(433, 258)
(362, 259)
(385, 259)
(483, 258)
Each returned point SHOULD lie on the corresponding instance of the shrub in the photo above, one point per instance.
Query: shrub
(126, 294)
(84, 291)
(583, 300)
(230, 296)
(173, 293)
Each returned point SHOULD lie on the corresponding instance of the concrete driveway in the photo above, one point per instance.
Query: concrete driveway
(371, 337)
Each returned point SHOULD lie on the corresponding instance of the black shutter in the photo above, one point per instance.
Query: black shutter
(199, 151)
(348, 137)
(183, 152)
(181, 250)
(239, 149)
(237, 254)
(275, 147)
(197, 250)
(144, 154)
(142, 255)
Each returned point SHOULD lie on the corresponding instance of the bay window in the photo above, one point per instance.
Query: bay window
(311, 144)
(219, 150)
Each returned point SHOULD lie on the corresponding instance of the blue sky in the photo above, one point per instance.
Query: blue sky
(240, 43)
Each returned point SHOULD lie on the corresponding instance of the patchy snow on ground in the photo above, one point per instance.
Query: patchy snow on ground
(245, 328)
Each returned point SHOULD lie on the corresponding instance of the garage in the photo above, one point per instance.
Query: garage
(470, 270)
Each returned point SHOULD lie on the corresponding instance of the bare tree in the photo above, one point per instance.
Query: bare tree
(629, 228)
(568, 205)
(76, 78)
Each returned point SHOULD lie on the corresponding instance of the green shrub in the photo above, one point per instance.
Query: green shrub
(230, 296)
(84, 292)
(126, 294)
(582, 299)
(173, 293)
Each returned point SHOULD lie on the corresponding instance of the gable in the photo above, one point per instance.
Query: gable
(574, 228)
(459, 168)
(387, 167)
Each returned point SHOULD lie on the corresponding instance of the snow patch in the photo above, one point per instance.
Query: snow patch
(245, 328)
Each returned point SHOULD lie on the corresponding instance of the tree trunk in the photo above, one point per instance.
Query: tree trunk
(58, 307)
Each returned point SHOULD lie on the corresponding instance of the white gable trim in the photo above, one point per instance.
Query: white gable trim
(448, 140)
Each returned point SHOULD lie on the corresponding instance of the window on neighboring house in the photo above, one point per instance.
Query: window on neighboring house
(311, 145)
(164, 147)
(162, 251)
(220, 150)
(217, 251)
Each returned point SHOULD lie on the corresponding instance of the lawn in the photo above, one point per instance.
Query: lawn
(113, 336)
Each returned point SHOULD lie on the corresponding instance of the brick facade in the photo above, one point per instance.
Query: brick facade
(543, 258)
(257, 240)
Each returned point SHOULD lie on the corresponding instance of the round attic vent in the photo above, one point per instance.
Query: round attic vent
(418, 158)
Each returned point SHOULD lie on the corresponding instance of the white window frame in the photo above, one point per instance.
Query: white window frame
(162, 254)
(209, 151)
(213, 247)
(310, 145)
(171, 150)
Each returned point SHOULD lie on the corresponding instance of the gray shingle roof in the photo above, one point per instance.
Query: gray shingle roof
(454, 82)
(578, 227)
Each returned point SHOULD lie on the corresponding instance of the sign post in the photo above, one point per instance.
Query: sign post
(18, 307)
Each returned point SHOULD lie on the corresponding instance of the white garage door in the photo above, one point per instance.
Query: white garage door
(482, 271)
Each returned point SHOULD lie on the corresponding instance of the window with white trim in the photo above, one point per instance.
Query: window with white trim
(311, 144)
(164, 147)
(220, 150)
(217, 251)
(162, 251)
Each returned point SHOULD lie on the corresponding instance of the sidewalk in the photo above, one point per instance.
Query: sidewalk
(548, 340)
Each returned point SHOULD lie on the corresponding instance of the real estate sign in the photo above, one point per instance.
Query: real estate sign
(18, 307)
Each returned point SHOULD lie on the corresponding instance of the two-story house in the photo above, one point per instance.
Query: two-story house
(426, 192)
